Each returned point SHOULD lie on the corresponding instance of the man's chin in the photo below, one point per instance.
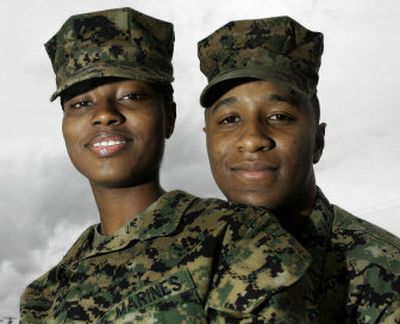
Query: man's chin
(253, 197)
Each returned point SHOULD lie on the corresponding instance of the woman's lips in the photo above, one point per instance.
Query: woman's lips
(106, 145)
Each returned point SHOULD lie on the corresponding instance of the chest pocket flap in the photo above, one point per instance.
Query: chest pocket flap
(251, 275)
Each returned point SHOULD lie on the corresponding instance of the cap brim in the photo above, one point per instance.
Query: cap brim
(219, 84)
(109, 69)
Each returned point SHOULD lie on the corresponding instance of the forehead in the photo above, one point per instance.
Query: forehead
(92, 84)
(257, 86)
(258, 90)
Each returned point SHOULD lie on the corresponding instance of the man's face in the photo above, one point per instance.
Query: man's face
(114, 133)
(262, 146)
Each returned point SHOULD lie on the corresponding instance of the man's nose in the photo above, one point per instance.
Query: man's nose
(255, 137)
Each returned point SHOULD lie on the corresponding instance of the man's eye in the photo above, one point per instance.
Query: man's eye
(280, 117)
(230, 120)
(134, 96)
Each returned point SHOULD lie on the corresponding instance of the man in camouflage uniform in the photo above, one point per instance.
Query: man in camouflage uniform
(263, 136)
(156, 257)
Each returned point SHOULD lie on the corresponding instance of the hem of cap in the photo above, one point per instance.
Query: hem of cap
(243, 72)
(128, 72)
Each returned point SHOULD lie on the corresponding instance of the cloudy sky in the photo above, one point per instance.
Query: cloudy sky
(45, 204)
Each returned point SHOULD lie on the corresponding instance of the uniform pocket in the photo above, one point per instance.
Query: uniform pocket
(174, 299)
(265, 261)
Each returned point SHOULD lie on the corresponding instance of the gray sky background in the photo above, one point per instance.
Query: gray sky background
(45, 204)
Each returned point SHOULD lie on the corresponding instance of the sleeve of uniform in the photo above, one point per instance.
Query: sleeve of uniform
(392, 313)
(36, 299)
(261, 276)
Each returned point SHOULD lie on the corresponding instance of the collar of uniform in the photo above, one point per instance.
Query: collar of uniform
(161, 218)
(316, 232)
(319, 223)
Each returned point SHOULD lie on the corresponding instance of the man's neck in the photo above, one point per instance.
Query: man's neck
(117, 206)
(292, 219)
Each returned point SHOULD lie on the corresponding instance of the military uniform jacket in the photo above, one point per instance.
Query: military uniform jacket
(356, 267)
(182, 260)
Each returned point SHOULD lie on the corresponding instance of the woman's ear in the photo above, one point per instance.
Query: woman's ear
(170, 116)
(319, 142)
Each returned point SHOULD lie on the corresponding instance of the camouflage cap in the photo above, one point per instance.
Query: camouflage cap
(112, 43)
(277, 49)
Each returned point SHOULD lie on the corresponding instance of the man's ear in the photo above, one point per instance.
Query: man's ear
(319, 142)
(170, 116)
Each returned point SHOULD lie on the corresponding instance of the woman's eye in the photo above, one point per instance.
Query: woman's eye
(81, 104)
(230, 120)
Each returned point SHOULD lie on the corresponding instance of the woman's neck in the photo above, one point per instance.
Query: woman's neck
(117, 206)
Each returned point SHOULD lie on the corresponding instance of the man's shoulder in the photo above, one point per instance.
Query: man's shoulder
(347, 223)
(368, 260)
(365, 243)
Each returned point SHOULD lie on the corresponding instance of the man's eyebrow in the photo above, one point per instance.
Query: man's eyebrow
(276, 97)
(224, 102)
(289, 99)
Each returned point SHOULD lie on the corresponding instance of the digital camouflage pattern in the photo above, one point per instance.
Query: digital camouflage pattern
(112, 43)
(277, 49)
(356, 267)
(182, 260)
(355, 271)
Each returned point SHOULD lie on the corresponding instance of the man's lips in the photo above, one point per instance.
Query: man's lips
(107, 144)
(254, 170)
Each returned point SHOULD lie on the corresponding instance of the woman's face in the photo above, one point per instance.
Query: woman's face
(114, 133)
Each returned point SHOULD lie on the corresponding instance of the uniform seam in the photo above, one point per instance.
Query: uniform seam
(371, 231)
